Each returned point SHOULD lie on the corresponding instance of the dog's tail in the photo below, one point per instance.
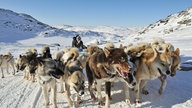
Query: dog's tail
(89, 73)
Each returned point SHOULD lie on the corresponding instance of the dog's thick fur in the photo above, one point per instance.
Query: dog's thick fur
(58, 55)
(109, 45)
(47, 72)
(176, 61)
(162, 46)
(153, 60)
(7, 61)
(70, 54)
(108, 66)
(28, 63)
(151, 65)
(74, 78)
(93, 49)
(46, 53)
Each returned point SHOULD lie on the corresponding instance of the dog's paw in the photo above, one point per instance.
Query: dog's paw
(137, 101)
(160, 91)
(101, 103)
(132, 89)
(79, 102)
(145, 92)
(93, 98)
(54, 106)
(46, 104)
(127, 101)
(110, 98)
(62, 91)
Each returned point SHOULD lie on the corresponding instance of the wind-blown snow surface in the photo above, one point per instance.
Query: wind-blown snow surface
(15, 92)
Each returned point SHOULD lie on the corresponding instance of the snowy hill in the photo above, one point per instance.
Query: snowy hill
(121, 31)
(17, 26)
(175, 28)
(171, 23)
(22, 28)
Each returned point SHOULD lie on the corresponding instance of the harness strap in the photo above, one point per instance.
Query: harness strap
(109, 72)
(10, 59)
(45, 82)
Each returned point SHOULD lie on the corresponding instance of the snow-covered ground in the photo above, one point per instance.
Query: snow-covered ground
(15, 92)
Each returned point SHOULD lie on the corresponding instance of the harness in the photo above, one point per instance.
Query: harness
(10, 59)
(43, 82)
(72, 69)
(109, 72)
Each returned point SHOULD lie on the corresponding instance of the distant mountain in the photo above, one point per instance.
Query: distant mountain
(120, 31)
(18, 26)
(15, 27)
(171, 23)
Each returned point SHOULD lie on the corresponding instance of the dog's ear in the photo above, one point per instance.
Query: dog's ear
(168, 52)
(177, 51)
(107, 52)
(151, 59)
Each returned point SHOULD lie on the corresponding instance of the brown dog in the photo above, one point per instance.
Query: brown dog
(108, 66)
(151, 66)
(74, 79)
(176, 62)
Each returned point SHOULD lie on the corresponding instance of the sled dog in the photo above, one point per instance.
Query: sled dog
(28, 63)
(108, 66)
(47, 72)
(176, 61)
(7, 61)
(150, 65)
(74, 79)
(46, 53)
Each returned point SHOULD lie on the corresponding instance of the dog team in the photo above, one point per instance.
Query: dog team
(133, 65)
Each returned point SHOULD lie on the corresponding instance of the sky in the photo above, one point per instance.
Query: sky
(124, 13)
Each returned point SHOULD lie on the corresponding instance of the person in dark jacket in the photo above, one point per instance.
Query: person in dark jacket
(79, 43)
(74, 42)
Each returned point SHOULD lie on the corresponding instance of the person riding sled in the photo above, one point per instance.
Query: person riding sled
(77, 42)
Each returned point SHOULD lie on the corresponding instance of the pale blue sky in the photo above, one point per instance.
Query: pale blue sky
(125, 13)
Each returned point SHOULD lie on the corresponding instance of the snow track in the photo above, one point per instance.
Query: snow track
(16, 92)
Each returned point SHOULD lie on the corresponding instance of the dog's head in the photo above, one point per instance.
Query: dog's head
(71, 54)
(45, 66)
(33, 64)
(166, 60)
(93, 48)
(176, 62)
(76, 81)
(163, 63)
(21, 62)
(46, 52)
(118, 59)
